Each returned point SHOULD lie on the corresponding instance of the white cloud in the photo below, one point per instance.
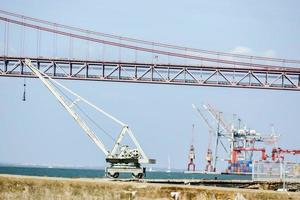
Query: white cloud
(248, 51)
(242, 50)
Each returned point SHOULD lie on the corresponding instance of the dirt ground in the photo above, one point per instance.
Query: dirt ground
(26, 187)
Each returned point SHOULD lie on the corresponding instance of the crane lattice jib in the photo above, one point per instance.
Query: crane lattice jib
(219, 119)
(48, 82)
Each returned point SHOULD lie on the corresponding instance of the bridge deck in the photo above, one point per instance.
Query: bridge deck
(275, 78)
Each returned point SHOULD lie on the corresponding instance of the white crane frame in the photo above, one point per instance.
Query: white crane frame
(48, 81)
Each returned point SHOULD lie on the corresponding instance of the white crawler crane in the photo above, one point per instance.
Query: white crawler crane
(121, 158)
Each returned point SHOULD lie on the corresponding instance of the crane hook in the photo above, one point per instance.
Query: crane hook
(24, 91)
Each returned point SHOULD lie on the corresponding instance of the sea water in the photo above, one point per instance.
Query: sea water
(100, 173)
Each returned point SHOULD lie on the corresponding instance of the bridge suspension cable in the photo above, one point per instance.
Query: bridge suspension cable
(151, 43)
(139, 48)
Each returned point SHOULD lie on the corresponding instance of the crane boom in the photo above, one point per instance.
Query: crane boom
(201, 115)
(214, 113)
(69, 108)
(121, 157)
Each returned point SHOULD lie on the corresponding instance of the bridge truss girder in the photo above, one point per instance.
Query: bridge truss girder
(218, 76)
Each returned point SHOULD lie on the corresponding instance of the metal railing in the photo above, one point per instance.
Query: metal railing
(276, 171)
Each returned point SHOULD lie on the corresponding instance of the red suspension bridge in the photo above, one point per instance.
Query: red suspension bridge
(137, 61)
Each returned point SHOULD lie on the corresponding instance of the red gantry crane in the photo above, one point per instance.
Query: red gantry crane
(192, 153)
(278, 153)
(209, 154)
(241, 141)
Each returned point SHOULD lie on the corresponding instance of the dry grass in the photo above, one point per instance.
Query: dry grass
(23, 187)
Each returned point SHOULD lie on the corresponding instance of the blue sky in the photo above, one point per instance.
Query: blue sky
(38, 131)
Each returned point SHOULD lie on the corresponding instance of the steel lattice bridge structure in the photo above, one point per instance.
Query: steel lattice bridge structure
(248, 77)
(212, 68)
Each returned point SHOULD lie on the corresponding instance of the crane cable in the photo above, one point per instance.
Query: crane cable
(84, 113)
(24, 84)
(24, 90)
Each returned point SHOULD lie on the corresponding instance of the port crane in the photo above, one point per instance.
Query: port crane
(210, 167)
(192, 153)
(242, 141)
(278, 153)
(122, 158)
(237, 151)
(240, 137)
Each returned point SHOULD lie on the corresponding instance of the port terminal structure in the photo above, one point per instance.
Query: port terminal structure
(122, 158)
(239, 143)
